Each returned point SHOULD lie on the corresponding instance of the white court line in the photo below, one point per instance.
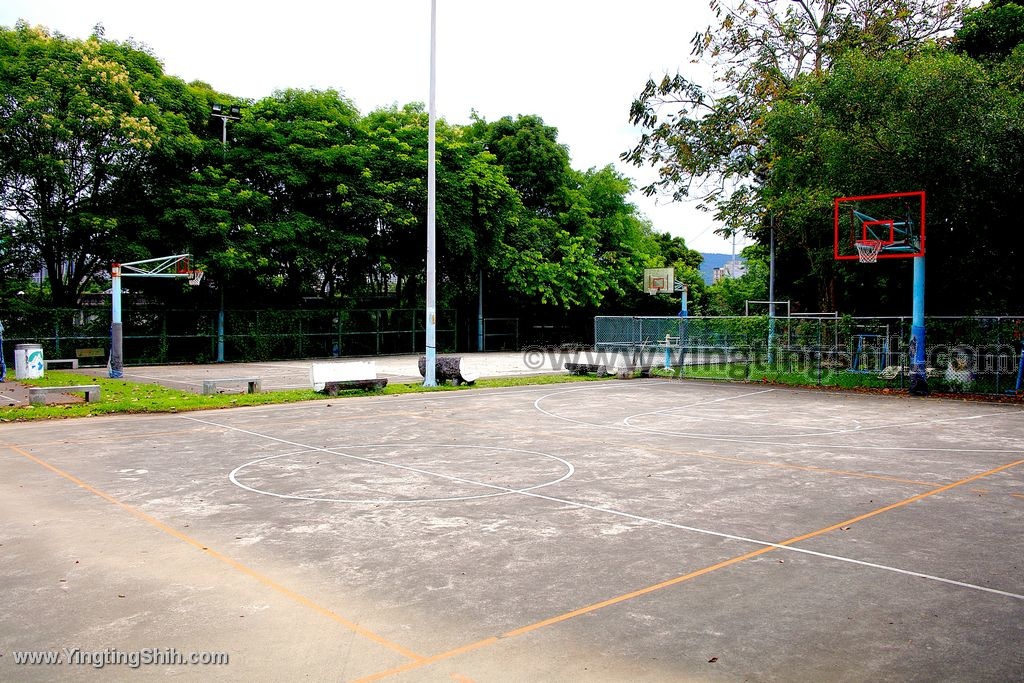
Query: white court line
(365, 401)
(536, 405)
(824, 430)
(746, 440)
(856, 430)
(503, 489)
(638, 518)
(339, 450)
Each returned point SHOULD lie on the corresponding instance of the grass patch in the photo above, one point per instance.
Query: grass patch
(121, 396)
(742, 372)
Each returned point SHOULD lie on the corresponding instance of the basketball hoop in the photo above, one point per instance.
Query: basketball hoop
(867, 250)
(194, 277)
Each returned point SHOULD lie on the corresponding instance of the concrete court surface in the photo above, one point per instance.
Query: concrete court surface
(644, 530)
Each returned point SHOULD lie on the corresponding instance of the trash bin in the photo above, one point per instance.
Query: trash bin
(28, 361)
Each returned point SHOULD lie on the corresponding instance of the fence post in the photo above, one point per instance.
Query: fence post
(818, 354)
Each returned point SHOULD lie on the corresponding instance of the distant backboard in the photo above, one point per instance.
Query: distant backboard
(659, 280)
(880, 226)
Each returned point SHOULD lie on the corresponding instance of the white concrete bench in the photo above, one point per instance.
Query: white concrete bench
(253, 384)
(37, 395)
(332, 378)
(72, 362)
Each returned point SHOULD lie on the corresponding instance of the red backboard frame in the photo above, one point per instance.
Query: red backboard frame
(907, 249)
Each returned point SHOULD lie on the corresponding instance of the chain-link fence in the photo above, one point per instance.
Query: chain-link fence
(968, 354)
(965, 354)
(160, 335)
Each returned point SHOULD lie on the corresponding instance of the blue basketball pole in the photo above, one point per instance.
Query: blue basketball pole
(116, 363)
(918, 357)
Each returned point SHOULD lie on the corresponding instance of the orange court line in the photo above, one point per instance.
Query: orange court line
(674, 581)
(104, 437)
(234, 564)
(192, 430)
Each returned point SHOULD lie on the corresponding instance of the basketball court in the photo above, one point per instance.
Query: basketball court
(647, 530)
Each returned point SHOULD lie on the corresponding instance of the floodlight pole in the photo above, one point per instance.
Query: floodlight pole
(234, 114)
(480, 314)
(429, 375)
(771, 291)
(918, 357)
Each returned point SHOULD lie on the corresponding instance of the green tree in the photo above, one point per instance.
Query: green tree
(686, 263)
(991, 31)
(707, 141)
(536, 165)
(300, 150)
(934, 121)
(476, 206)
(578, 242)
(80, 123)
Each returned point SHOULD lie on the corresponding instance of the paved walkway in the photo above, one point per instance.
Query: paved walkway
(294, 374)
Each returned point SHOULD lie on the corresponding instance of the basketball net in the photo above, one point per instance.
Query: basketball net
(867, 250)
(193, 275)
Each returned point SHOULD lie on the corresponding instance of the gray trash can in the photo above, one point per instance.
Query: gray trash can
(28, 361)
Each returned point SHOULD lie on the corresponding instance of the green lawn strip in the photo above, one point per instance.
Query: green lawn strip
(122, 396)
(740, 372)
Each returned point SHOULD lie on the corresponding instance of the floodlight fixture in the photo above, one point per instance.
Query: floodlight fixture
(233, 113)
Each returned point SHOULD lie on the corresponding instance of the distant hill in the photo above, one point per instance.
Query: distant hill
(712, 261)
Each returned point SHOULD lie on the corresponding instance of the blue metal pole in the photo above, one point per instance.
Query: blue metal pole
(918, 357)
(1020, 370)
(116, 369)
(220, 328)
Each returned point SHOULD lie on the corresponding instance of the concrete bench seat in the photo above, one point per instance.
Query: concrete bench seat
(332, 378)
(253, 384)
(586, 369)
(631, 371)
(448, 368)
(71, 362)
(37, 395)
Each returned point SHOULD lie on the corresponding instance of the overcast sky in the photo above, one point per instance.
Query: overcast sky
(577, 64)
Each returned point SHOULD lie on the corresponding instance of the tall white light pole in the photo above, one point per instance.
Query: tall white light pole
(234, 113)
(429, 375)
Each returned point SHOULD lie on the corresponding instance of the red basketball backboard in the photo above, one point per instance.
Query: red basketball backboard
(880, 226)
